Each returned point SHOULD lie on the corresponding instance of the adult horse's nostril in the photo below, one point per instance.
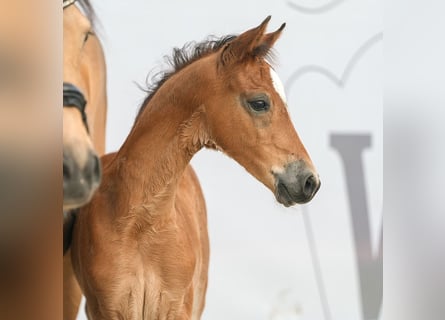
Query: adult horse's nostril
(66, 171)
(310, 186)
(92, 170)
(97, 170)
(69, 168)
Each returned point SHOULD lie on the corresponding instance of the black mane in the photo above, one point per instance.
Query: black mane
(181, 58)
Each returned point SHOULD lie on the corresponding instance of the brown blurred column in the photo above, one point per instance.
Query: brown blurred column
(30, 160)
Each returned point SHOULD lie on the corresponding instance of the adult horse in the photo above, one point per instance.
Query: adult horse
(83, 123)
(140, 247)
(84, 118)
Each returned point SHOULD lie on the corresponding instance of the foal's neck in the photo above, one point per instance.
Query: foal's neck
(166, 135)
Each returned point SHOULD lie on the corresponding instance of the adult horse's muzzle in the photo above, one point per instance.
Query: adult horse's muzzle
(81, 165)
(79, 181)
(297, 183)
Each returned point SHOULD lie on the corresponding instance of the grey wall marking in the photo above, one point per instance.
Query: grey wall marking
(339, 81)
(316, 10)
(370, 267)
(316, 264)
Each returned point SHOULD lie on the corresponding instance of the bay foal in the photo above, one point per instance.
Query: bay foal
(140, 247)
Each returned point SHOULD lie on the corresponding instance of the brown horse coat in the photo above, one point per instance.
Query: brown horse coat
(140, 247)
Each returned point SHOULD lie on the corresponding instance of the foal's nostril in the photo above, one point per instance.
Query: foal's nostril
(309, 185)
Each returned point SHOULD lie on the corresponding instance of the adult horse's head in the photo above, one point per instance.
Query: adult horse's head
(82, 71)
(248, 118)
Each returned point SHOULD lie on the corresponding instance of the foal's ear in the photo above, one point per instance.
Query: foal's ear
(244, 45)
(268, 41)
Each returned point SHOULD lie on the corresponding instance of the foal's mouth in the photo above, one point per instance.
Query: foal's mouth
(287, 197)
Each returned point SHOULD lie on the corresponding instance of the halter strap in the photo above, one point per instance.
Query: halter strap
(67, 3)
(74, 98)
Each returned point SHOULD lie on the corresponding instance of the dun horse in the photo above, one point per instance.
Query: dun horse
(140, 247)
(84, 117)
(83, 126)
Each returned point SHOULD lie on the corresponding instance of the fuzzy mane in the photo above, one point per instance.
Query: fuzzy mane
(181, 58)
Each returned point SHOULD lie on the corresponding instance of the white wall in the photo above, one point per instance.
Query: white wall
(261, 264)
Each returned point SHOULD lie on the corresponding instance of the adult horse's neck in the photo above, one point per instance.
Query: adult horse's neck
(166, 135)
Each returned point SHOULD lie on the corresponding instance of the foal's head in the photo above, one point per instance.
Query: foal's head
(248, 118)
(81, 167)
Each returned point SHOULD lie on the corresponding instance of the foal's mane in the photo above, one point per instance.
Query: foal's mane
(181, 58)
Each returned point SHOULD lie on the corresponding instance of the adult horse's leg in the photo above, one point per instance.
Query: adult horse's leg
(71, 291)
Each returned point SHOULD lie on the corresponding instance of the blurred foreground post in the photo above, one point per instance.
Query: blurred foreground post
(30, 160)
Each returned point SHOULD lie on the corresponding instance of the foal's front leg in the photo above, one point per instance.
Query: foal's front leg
(95, 314)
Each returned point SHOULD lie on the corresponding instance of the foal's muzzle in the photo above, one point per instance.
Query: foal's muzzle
(296, 184)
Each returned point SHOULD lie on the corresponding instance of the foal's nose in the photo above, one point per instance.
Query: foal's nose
(298, 183)
(80, 180)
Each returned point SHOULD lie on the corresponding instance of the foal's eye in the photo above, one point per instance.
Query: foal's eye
(259, 105)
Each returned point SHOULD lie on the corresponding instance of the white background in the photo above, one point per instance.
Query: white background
(260, 265)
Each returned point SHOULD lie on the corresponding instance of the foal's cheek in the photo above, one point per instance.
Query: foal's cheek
(263, 122)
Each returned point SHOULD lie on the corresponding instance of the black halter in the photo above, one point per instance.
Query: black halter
(67, 3)
(74, 98)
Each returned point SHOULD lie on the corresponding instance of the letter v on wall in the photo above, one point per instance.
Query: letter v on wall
(350, 148)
